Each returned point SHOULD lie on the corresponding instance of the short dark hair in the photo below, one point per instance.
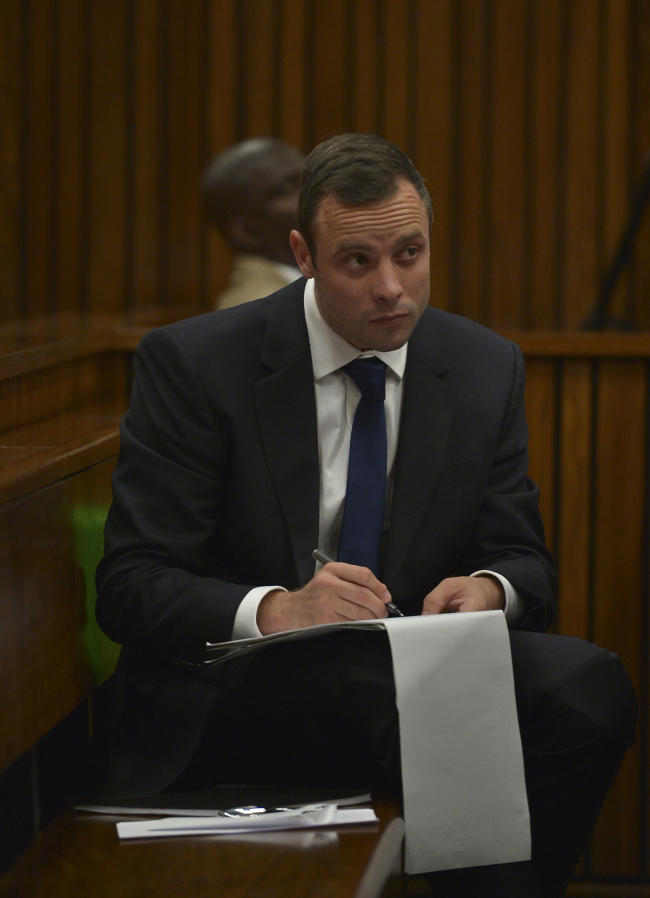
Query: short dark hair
(236, 180)
(355, 169)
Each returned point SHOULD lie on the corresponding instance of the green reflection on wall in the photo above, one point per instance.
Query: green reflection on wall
(89, 548)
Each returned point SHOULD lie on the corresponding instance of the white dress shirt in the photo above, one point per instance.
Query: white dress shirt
(337, 397)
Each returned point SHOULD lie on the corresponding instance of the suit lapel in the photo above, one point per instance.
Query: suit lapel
(286, 411)
(427, 414)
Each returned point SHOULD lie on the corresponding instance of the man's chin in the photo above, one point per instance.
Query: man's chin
(385, 340)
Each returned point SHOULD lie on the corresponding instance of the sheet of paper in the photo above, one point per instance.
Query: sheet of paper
(192, 826)
(209, 802)
(462, 766)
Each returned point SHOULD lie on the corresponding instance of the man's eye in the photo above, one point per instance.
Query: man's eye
(409, 253)
(357, 261)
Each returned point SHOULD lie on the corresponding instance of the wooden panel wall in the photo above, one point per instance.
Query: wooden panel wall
(52, 651)
(529, 118)
(589, 419)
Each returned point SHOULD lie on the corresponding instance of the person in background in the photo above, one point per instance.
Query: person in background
(250, 193)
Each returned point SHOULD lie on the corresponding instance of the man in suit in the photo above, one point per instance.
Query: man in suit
(250, 193)
(234, 466)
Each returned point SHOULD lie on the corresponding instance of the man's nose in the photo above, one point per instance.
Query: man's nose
(386, 285)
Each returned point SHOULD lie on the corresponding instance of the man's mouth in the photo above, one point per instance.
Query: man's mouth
(392, 319)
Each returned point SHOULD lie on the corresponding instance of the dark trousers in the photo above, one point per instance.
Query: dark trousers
(322, 713)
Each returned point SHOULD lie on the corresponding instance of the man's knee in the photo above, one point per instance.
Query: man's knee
(601, 690)
(561, 677)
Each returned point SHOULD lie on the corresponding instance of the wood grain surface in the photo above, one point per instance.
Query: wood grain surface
(529, 119)
(81, 854)
(44, 659)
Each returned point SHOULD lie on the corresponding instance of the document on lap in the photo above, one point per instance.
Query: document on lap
(463, 781)
(218, 652)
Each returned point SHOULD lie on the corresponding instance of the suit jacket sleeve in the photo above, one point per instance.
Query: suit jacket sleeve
(508, 536)
(153, 591)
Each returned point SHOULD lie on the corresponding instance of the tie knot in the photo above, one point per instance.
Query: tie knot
(370, 376)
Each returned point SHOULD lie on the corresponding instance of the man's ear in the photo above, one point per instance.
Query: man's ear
(302, 253)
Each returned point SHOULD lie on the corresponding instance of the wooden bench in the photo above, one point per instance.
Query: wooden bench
(81, 855)
(63, 389)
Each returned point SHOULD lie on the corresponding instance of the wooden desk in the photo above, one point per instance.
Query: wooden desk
(81, 855)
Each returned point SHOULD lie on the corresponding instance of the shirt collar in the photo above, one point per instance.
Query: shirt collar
(329, 351)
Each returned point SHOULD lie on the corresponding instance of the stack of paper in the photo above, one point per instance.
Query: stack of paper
(298, 818)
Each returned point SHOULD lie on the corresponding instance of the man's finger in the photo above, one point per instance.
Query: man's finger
(362, 576)
(352, 610)
(439, 599)
(361, 597)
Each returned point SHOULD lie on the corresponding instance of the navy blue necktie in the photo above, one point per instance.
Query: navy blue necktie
(365, 497)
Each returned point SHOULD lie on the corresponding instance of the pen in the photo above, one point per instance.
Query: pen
(325, 559)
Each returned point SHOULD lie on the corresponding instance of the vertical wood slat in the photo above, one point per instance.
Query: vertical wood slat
(541, 417)
(641, 87)
(294, 64)
(328, 69)
(507, 163)
(644, 697)
(545, 133)
(618, 586)
(365, 101)
(616, 139)
(574, 538)
(433, 133)
(259, 70)
(185, 148)
(40, 168)
(70, 157)
(470, 274)
(395, 65)
(11, 41)
(108, 136)
(581, 202)
(147, 127)
(221, 121)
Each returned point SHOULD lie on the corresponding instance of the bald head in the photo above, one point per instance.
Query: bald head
(250, 193)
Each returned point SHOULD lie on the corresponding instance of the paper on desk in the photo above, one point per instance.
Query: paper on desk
(462, 766)
(197, 826)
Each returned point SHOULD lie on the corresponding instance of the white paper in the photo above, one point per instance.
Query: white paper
(117, 810)
(197, 826)
(465, 798)
(462, 766)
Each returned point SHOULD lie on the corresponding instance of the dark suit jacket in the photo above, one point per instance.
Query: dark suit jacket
(217, 488)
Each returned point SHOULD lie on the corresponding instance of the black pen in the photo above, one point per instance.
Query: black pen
(325, 559)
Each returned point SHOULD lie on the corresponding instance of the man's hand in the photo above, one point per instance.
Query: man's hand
(338, 592)
(482, 593)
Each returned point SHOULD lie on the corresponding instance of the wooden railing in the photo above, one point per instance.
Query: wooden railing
(588, 412)
(63, 388)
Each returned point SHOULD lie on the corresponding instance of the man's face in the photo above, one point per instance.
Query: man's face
(371, 270)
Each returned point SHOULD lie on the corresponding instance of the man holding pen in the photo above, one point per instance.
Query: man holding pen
(341, 413)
